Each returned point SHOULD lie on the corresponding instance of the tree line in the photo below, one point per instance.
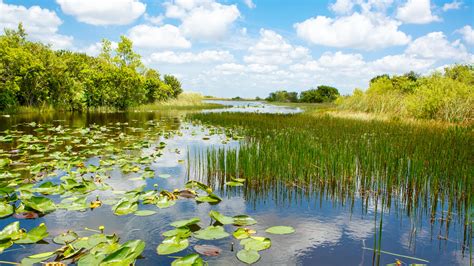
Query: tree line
(322, 94)
(446, 95)
(32, 74)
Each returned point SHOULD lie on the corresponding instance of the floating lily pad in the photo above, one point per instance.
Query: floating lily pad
(280, 230)
(26, 215)
(125, 207)
(144, 213)
(34, 235)
(65, 238)
(5, 209)
(172, 245)
(248, 256)
(189, 260)
(211, 233)
(208, 250)
(37, 258)
(126, 254)
(242, 233)
(244, 220)
(40, 204)
(256, 243)
(187, 222)
(221, 218)
(182, 232)
(234, 184)
(166, 176)
(211, 198)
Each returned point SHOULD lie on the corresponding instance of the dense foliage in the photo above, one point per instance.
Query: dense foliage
(447, 96)
(32, 74)
(323, 94)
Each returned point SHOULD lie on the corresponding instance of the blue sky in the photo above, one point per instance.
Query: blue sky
(252, 47)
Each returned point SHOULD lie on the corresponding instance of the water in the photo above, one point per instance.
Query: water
(328, 231)
(252, 107)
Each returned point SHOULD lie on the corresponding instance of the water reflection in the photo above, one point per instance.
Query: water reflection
(253, 107)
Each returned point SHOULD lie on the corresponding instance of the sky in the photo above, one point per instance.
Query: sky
(250, 48)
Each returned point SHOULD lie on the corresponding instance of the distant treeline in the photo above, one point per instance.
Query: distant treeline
(32, 74)
(447, 96)
(322, 94)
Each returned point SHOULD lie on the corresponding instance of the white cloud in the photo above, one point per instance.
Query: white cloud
(41, 24)
(416, 12)
(155, 20)
(208, 56)
(103, 12)
(95, 48)
(453, 5)
(373, 31)
(272, 48)
(398, 64)
(467, 33)
(250, 4)
(342, 6)
(203, 19)
(435, 45)
(166, 36)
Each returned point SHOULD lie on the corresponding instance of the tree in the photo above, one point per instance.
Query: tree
(125, 56)
(282, 96)
(175, 85)
(321, 94)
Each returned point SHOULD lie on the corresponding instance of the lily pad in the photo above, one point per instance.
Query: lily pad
(40, 204)
(125, 207)
(187, 222)
(144, 213)
(211, 198)
(65, 238)
(172, 245)
(208, 250)
(34, 235)
(189, 260)
(182, 232)
(280, 230)
(221, 218)
(248, 256)
(165, 176)
(5, 209)
(256, 243)
(126, 254)
(211, 233)
(244, 220)
(233, 184)
(242, 233)
(26, 215)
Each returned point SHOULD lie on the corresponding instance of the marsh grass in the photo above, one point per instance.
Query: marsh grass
(420, 169)
(185, 101)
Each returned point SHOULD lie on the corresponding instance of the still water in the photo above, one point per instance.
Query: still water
(328, 232)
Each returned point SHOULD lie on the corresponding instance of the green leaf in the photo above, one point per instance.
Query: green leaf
(11, 231)
(40, 204)
(211, 233)
(5, 209)
(187, 222)
(221, 218)
(172, 245)
(65, 238)
(242, 233)
(144, 213)
(233, 184)
(248, 256)
(181, 232)
(244, 220)
(4, 244)
(125, 206)
(126, 254)
(34, 235)
(211, 198)
(189, 260)
(165, 176)
(164, 202)
(33, 259)
(280, 230)
(240, 180)
(256, 243)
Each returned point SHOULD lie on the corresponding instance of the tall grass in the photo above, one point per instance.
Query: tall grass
(421, 169)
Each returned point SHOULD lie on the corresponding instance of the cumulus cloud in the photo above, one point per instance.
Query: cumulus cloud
(272, 48)
(41, 24)
(103, 12)
(204, 57)
(402, 63)
(342, 6)
(435, 45)
(166, 36)
(467, 33)
(416, 12)
(452, 6)
(249, 4)
(202, 19)
(155, 20)
(373, 31)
